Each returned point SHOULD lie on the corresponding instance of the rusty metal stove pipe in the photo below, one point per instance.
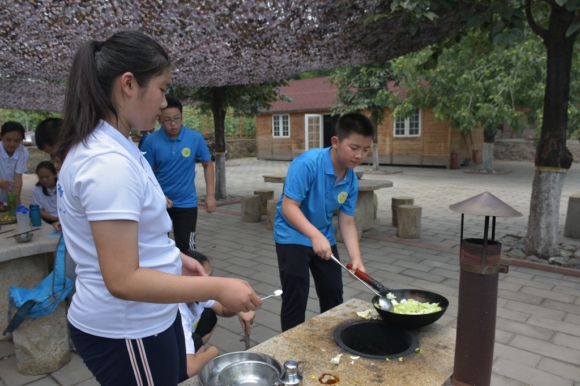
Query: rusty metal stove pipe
(478, 288)
(476, 315)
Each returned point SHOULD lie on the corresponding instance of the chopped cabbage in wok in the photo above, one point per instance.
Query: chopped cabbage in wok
(413, 307)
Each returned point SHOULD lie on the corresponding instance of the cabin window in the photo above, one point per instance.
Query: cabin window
(408, 127)
(281, 126)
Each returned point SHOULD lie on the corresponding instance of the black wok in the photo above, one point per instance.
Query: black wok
(405, 320)
(413, 321)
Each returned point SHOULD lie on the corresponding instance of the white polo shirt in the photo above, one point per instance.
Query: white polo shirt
(10, 166)
(108, 179)
(48, 203)
(190, 316)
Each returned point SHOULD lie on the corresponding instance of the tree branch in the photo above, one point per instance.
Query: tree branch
(541, 32)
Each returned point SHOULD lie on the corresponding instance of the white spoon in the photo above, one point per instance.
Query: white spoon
(276, 293)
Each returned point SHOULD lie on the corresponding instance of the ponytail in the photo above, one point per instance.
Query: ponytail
(95, 68)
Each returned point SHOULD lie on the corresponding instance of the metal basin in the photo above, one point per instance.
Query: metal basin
(249, 373)
(209, 373)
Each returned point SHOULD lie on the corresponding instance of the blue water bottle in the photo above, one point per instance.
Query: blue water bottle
(35, 218)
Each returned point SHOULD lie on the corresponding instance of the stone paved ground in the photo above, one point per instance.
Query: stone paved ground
(538, 317)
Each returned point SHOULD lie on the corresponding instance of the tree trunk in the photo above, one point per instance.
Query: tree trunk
(542, 241)
(374, 118)
(489, 133)
(553, 159)
(219, 117)
(375, 156)
(488, 157)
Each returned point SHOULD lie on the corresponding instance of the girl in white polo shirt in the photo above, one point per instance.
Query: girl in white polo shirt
(44, 192)
(124, 318)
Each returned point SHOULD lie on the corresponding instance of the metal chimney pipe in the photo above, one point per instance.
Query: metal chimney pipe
(476, 317)
(478, 288)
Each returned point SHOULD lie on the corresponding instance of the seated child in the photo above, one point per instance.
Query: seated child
(199, 320)
(13, 158)
(44, 193)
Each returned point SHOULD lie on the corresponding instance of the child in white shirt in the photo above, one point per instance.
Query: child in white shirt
(199, 320)
(44, 193)
(13, 158)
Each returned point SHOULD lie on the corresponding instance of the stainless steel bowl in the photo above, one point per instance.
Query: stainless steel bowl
(24, 238)
(249, 373)
(209, 373)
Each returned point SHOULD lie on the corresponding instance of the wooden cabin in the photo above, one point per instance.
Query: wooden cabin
(290, 128)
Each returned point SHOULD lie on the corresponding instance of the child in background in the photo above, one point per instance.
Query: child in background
(199, 320)
(44, 193)
(13, 158)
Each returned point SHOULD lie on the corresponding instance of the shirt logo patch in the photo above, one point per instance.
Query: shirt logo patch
(342, 197)
(186, 152)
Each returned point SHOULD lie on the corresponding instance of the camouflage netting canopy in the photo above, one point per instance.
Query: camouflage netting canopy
(210, 42)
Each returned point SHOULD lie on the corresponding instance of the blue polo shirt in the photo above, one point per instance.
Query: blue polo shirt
(173, 162)
(310, 181)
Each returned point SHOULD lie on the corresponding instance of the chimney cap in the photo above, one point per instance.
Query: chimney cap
(485, 204)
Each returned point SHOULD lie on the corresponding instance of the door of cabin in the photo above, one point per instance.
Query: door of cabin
(314, 131)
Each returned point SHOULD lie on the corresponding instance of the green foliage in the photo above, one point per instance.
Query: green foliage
(364, 87)
(410, 12)
(246, 100)
(198, 121)
(476, 83)
(28, 118)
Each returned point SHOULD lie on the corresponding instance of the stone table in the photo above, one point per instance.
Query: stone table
(364, 203)
(41, 344)
(313, 342)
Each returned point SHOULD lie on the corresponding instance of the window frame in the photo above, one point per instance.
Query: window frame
(281, 126)
(407, 126)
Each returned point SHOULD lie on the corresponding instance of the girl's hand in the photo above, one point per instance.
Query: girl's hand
(191, 267)
(238, 296)
(246, 319)
(169, 203)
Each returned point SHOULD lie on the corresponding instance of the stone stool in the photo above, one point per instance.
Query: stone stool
(409, 221)
(251, 208)
(41, 344)
(572, 227)
(265, 195)
(395, 202)
(271, 206)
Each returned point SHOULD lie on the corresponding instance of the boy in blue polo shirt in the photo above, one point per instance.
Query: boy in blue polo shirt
(317, 183)
(172, 152)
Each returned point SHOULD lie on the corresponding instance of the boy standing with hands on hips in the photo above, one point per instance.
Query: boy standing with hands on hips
(319, 182)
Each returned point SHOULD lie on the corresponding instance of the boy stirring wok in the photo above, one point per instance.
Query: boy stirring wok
(319, 182)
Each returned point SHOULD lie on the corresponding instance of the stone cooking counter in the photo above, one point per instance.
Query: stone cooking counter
(313, 342)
